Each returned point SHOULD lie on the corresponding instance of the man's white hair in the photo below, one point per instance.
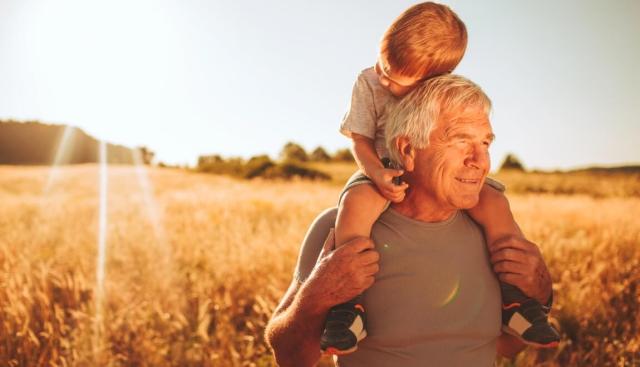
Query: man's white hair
(415, 114)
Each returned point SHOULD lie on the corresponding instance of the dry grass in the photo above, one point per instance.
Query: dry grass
(595, 184)
(194, 270)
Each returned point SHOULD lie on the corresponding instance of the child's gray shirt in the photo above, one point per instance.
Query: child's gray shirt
(367, 114)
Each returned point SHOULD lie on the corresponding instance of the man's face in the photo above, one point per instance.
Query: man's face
(455, 163)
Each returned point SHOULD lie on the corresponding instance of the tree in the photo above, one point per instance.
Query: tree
(319, 155)
(205, 160)
(511, 162)
(146, 154)
(257, 166)
(293, 152)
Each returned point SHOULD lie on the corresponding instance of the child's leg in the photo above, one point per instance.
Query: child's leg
(359, 208)
(494, 215)
(522, 316)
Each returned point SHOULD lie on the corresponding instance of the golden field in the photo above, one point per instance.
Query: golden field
(194, 264)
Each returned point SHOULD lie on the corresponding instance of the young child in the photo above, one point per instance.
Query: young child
(426, 40)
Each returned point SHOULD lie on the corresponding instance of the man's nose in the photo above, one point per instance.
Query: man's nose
(478, 157)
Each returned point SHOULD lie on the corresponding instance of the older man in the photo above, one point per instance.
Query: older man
(431, 296)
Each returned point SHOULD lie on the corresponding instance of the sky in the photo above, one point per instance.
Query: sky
(241, 78)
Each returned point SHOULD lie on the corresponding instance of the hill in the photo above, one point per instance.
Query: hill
(35, 143)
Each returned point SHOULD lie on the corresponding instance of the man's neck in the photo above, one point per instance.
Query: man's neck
(424, 208)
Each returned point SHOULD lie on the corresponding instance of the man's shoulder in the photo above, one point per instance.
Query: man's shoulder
(313, 242)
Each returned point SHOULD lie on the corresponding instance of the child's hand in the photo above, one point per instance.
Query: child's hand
(383, 178)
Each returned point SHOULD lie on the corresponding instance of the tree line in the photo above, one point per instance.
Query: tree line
(293, 161)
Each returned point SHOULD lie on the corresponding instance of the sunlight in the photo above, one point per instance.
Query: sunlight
(62, 153)
(452, 295)
(153, 212)
(102, 244)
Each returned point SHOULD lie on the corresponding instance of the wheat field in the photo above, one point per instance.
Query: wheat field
(192, 265)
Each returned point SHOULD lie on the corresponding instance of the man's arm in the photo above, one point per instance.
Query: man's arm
(295, 343)
(339, 275)
(519, 262)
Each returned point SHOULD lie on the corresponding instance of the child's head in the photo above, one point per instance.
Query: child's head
(427, 40)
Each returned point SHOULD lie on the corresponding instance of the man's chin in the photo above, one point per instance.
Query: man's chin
(467, 202)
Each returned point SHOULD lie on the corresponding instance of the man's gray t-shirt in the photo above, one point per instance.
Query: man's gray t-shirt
(435, 301)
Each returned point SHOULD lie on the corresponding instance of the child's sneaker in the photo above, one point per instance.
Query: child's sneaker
(344, 328)
(526, 319)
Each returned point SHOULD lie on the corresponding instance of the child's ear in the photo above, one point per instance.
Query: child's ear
(407, 153)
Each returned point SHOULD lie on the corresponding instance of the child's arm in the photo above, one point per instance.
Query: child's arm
(368, 161)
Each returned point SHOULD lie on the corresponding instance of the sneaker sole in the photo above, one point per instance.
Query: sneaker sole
(511, 331)
(337, 352)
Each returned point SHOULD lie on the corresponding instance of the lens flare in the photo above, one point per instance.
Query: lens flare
(153, 212)
(102, 248)
(452, 294)
(62, 155)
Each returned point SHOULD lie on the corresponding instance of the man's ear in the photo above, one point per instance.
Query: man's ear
(407, 153)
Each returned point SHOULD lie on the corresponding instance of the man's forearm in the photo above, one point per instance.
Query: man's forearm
(296, 326)
(294, 334)
(508, 346)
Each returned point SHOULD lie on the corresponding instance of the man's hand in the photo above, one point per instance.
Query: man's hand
(341, 274)
(520, 263)
(383, 178)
